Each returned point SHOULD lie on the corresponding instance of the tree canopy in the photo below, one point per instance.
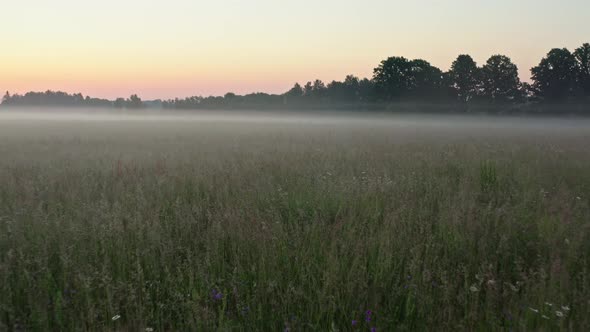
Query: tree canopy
(561, 76)
(555, 76)
(500, 81)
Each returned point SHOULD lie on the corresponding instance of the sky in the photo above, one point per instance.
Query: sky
(179, 48)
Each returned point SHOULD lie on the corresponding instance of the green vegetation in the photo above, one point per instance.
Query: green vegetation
(188, 225)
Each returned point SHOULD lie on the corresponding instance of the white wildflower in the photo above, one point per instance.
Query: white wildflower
(473, 289)
(558, 313)
(149, 329)
(514, 288)
(565, 308)
(534, 310)
(115, 317)
(578, 198)
(545, 317)
(548, 304)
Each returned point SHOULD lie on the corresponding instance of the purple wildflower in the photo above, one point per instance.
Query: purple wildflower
(373, 329)
(368, 315)
(355, 322)
(217, 295)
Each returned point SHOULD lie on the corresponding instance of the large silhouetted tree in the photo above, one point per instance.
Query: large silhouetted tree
(425, 80)
(499, 80)
(464, 77)
(582, 55)
(398, 78)
(554, 79)
(392, 78)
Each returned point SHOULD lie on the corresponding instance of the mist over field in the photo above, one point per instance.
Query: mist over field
(376, 165)
(292, 221)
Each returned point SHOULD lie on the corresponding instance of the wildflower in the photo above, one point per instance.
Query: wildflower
(491, 282)
(578, 198)
(565, 308)
(368, 315)
(558, 313)
(534, 310)
(548, 304)
(545, 317)
(354, 322)
(217, 295)
(149, 329)
(514, 288)
(473, 288)
(115, 317)
(373, 329)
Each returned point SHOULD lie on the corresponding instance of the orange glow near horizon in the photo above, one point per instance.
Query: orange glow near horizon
(185, 48)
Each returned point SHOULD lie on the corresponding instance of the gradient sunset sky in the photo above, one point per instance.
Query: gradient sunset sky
(178, 48)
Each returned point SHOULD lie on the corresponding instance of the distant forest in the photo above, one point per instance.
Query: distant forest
(562, 77)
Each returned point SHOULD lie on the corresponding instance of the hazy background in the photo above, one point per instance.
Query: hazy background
(179, 48)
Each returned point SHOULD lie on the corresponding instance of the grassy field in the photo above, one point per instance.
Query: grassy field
(306, 224)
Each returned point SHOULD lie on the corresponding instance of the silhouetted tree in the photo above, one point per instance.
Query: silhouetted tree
(366, 90)
(319, 89)
(119, 103)
(344, 92)
(398, 78)
(134, 102)
(499, 80)
(296, 91)
(582, 55)
(425, 80)
(392, 78)
(554, 79)
(464, 77)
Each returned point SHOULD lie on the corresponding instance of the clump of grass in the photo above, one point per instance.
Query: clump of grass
(283, 229)
(488, 180)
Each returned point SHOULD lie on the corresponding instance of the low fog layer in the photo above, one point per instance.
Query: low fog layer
(11, 116)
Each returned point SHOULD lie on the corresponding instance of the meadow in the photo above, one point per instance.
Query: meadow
(300, 223)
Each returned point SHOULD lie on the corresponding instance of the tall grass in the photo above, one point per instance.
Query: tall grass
(268, 228)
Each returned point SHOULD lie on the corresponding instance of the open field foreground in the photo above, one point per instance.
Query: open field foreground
(311, 223)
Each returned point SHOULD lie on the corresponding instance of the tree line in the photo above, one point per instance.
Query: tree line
(560, 77)
(63, 99)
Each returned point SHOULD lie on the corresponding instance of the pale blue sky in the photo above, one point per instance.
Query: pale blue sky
(181, 47)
